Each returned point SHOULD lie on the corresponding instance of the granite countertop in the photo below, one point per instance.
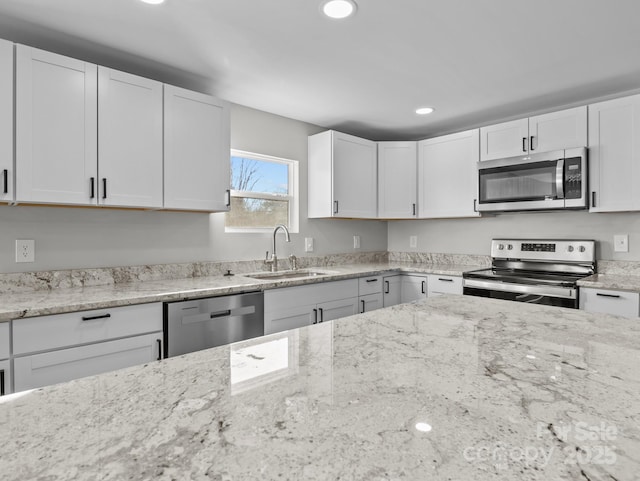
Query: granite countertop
(619, 282)
(451, 388)
(57, 301)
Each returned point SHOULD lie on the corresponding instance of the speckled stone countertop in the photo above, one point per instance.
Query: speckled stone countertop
(619, 282)
(55, 301)
(451, 388)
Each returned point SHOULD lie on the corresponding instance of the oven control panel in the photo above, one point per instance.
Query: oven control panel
(556, 250)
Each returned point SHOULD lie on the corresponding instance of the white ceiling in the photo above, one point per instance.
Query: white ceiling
(475, 61)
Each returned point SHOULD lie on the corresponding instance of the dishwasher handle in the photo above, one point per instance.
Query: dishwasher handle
(215, 315)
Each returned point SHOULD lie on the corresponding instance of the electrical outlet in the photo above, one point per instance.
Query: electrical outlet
(413, 241)
(25, 250)
(356, 242)
(308, 244)
(621, 243)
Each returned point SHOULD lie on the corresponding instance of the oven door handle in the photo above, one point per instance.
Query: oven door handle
(538, 290)
(560, 179)
(521, 297)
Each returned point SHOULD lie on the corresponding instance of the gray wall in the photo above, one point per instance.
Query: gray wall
(473, 236)
(92, 237)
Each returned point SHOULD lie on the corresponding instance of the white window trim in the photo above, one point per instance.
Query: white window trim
(293, 197)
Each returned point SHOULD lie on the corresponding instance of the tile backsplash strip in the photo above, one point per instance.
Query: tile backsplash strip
(444, 259)
(618, 268)
(60, 279)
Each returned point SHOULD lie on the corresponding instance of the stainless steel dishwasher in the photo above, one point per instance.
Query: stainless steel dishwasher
(203, 323)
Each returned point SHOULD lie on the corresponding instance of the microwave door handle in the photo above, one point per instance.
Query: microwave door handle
(560, 179)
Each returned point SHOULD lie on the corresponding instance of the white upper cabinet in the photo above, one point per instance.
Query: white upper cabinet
(130, 133)
(56, 128)
(614, 155)
(542, 133)
(448, 175)
(6, 121)
(342, 176)
(397, 170)
(196, 151)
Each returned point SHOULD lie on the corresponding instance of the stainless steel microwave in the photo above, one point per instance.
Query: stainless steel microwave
(546, 180)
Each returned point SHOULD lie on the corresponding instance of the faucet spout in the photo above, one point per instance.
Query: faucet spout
(274, 258)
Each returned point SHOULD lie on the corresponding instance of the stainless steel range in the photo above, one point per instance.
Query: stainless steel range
(533, 270)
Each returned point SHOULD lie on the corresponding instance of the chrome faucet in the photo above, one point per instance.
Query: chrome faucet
(274, 258)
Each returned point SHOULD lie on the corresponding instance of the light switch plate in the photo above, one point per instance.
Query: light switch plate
(413, 241)
(308, 244)
(356, 242)
(25, 250)
(621, 243)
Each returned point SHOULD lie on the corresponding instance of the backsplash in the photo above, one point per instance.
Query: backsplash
(431, 258)
(619, 268)
(60, 279)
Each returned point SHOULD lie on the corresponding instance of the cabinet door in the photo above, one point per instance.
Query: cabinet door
(397, 167)
(130, 132)
(507, 139)
(392, 286)
(56, 128)
(413, 288)
(618, 303)
(47, 368)
(4, 340)
(289, 318)
(448, 175)
(328, 311)
(6, 121)
(196, 151)
(614, 155)
(370, 302)
(5, 378)
(558, 130)
(355, 183)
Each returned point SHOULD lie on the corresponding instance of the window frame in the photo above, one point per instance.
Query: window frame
(293, 197)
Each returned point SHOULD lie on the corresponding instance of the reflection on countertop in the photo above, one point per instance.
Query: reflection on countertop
(454, 387)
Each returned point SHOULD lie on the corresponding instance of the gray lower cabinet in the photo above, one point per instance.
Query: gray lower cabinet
(391, 290)
(292, 307)
(370, 291)
(413, 287)
(57, 348)
(605, 301)
(5, 365)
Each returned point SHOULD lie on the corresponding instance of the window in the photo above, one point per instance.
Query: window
(264, 193)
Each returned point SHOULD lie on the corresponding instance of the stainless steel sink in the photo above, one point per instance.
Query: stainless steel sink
(297, 274)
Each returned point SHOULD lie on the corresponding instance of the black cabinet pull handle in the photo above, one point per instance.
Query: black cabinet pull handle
(363, 304)
(531, 143)
(593, 199)
(104, 188)
(227, 198)
(321, 314)
(615, 296)
(315, 316)
(159, 349)
(5, 175)
(445, 280)
(524, 144)
(372, 280)
(93, 187)
(423, 283)
(93, 318)
(2, 382)
(386, 287)
(335, 204)
(475, 207)
(414, 209)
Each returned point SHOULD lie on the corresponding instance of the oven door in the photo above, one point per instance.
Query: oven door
(523, 183)
(532, 294)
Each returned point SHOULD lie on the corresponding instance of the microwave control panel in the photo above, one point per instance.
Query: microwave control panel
(573, 178)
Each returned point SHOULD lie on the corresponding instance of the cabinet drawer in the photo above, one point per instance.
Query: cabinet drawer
(619, 303)
(4, 340)
(61, 330)
(438, 285)
(48, 368)
(370, 285)
(290, 297)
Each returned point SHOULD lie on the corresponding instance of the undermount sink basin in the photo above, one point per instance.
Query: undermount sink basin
(297, 274)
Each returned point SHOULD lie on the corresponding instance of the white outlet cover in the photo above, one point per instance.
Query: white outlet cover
(621, 243)
(25, 250)
(356, 242)
(413, 241)
(308, 244)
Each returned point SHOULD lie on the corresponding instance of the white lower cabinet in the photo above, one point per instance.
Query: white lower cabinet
(438, 285)
(618, 303)
(292, 307)
(392, 286)
(62, 347)
(47, 368)
(370, 293)
(413, 288)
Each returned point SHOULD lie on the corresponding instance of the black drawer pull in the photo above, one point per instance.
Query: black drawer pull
(5, 175)
(2, 383)
(372, 280)
(215, 315)
(445, 280)
(607, 295)
(159, 349)
(423, 287)
(93, 318)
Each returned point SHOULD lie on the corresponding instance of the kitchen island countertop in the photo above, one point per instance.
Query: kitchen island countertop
(451, 388)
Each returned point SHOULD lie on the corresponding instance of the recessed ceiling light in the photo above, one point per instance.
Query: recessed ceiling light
(339, 8)
(153, 2)
(424, 110)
